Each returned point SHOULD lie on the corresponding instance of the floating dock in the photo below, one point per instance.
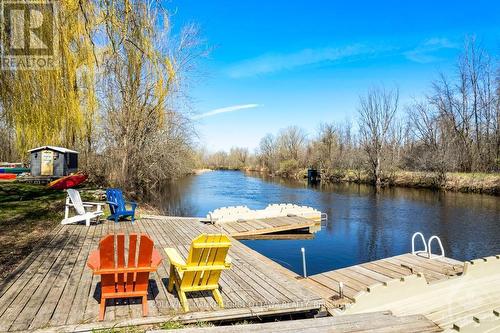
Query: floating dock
(268, 228)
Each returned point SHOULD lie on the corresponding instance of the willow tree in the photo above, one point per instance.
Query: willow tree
(147, 140)
(55, 106)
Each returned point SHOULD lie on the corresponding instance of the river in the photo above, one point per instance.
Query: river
(362, 225)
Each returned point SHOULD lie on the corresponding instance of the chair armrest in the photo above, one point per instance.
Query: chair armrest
(94, 260)
(97, 205)
(112, 203)
(156, 258)
(94, 203)
(174, 257)
(133, 204)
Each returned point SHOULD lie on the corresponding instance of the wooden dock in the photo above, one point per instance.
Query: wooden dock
(381, 322)
(456, 296)
(53, 290)
(359, 278)
(269, 228)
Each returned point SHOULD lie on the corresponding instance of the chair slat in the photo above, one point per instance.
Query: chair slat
(194, 256)
(145, 252)
(131, 262)
(120, 262)
(107, 252)
(120, 250)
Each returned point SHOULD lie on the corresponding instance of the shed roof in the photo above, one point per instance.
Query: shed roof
(58, 149)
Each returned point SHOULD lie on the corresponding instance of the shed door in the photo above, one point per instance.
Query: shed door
(47, 163)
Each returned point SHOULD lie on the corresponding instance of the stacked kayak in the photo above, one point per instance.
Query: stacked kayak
(68, 181)
(7, 176)
(13, 170)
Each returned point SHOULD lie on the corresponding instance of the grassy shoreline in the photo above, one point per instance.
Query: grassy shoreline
(480, 183)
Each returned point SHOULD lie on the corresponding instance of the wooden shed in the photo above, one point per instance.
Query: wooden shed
(53, 161)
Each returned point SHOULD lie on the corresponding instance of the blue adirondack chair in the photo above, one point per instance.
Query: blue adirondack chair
(117, 205)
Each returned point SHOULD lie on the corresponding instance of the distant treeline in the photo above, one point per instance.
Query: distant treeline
(455, 128)
(116, 96)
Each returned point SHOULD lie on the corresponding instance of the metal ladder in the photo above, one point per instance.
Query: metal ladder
(427, 246)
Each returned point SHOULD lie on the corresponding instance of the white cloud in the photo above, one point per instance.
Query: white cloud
(226, 109)
(426, 51)
(276, 62)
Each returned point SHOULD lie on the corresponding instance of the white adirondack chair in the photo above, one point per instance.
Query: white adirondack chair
(74, 200)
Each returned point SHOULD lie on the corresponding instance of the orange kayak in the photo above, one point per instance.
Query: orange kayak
(68, 181)
(8, 176)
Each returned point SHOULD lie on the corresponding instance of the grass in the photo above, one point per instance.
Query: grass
(168, 325)
(27, 215)
(171, 325)
(128, 329)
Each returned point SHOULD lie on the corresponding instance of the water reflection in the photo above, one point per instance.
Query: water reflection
(362, 225)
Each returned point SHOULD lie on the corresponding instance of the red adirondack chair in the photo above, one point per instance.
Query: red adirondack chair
(120, 279)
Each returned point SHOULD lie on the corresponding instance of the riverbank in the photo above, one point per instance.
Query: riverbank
(201, 171)
(481, 183)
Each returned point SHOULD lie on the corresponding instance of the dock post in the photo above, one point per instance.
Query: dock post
(304, 260)
(341, 289)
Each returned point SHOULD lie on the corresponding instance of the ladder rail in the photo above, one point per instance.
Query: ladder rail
(429, 246)
(413, 243)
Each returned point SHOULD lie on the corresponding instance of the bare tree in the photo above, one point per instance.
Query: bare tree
(237, 158)
(376, 116)
(268, 153)
(291, 142)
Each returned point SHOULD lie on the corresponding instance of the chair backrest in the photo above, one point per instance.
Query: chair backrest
(76, 200)
(115, 195)
(207, 251)
(123, 282)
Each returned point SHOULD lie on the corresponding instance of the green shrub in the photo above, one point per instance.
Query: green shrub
(288, 167)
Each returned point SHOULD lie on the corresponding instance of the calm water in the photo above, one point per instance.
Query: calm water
(362, 225)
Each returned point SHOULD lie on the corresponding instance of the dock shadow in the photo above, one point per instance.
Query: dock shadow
(205, 294)
(152, 293)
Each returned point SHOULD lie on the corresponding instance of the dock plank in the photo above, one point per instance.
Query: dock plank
(358, 278)
(13, 311)
(381, 322)
(265, 226)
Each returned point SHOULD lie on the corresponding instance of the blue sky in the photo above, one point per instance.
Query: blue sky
(279, 63)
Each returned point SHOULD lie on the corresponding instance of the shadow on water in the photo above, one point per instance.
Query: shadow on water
(362, 224)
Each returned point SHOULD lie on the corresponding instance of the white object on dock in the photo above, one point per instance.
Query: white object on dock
(413, 243)
(237, 213)
(427, 246)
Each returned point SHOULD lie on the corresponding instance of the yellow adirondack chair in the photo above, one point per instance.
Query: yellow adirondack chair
(206, 260)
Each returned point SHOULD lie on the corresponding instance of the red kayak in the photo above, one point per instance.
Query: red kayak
(7, 176)
(68, 181)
